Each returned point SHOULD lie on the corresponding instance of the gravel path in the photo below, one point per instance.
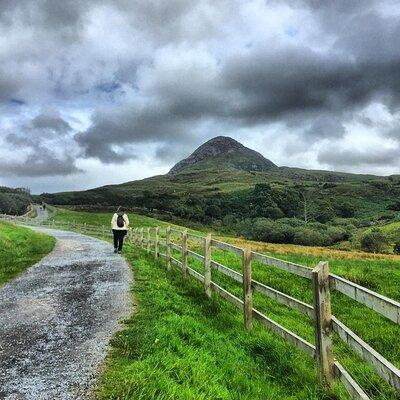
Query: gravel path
(57, 318)
(41, 214)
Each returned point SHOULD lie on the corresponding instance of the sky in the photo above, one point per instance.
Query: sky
(94, 92)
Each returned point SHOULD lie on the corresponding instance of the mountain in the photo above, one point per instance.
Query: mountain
(224, 180)
(223, 152)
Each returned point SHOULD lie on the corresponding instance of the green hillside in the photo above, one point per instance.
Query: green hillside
(235, 189)
(14, 201)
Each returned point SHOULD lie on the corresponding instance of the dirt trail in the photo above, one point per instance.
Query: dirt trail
(56, 319)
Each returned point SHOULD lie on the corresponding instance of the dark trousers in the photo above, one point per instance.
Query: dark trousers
(118, 238)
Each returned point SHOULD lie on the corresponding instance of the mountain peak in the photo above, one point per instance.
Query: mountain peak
(227, 151)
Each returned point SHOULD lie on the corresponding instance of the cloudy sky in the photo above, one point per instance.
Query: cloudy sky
(105, 91)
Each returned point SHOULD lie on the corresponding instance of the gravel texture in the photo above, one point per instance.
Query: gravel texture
(57, 318)
(41, 214)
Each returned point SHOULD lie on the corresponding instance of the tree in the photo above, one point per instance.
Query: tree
(262, 202)
(315, 209)
(374, 241)
(346, 209)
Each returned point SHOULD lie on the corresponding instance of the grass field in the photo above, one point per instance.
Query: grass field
(380, 273)
(179, 346)
(19, 249)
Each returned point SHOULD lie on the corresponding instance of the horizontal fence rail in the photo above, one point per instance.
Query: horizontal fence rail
(327, 365)
(152, 239)
(383, 367)
(287, 266)
(383, 305)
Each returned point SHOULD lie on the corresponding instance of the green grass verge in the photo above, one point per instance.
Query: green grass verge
(180, 345)
(19, 249)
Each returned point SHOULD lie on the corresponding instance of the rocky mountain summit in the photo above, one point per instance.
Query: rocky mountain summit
(224, 152)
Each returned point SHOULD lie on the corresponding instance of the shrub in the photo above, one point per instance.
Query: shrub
(310, 237)
(337, 234)
(346, 209)
(395, 206)
(374, 241)
(396, 248)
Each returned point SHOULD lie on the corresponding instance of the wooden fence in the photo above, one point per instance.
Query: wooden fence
(320, 311)
(155, 238)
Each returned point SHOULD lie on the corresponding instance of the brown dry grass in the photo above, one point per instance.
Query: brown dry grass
(323, 252)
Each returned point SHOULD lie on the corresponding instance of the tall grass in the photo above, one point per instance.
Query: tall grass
(379, 332)
(181, 346)
(19, 249)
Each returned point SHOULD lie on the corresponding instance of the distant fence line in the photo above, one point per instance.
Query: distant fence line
(152, 239)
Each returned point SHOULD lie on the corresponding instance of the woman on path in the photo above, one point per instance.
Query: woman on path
(119, 226)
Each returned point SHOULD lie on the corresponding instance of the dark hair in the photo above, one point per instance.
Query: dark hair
(120, 209)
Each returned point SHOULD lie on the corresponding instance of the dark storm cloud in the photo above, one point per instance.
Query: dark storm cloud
(393, 133)
(45, 125)
(42, 149)
(325, 126)
(121, 127)
(258, 86)
(263, 83)
(273, 82)
(41, 163)
(52, 123)
(353, 157)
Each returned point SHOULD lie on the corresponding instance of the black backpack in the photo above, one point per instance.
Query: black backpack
(120, 220)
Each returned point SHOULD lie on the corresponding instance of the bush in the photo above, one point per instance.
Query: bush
(395, 206)
(346, 209)
(374, 242)
(310, 237)
(337, 234)
(396, 248)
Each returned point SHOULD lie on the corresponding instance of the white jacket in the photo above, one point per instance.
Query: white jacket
(114, 223)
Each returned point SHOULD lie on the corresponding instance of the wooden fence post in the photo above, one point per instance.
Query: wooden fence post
(148, 240)
(168, 247)
(247, 290)
(323, 322)
(207, 265)
(156, 242)
(184, 253)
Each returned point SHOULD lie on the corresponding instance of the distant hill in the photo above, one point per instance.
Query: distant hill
(225, 183)
(14, 201)
(224, 153)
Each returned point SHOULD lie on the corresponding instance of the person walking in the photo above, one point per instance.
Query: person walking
(119, 226)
